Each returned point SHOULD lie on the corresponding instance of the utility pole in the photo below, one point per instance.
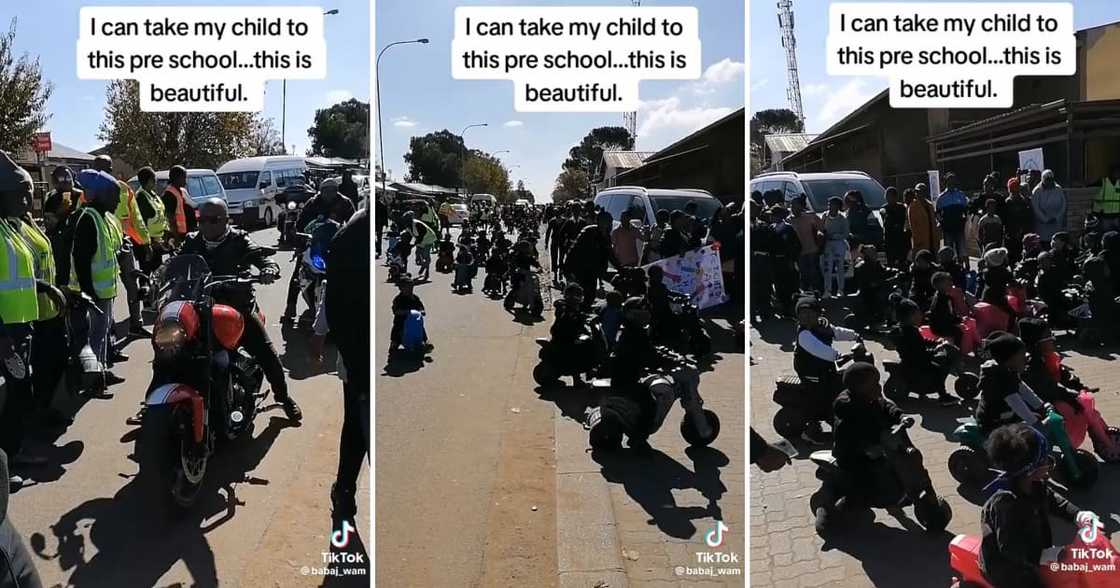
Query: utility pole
(789, 42)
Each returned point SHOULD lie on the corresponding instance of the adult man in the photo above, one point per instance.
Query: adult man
(230, 251)
(1107, 201)
(625, 240)
(154, 218)
(135, 246)
(94, 269)
(178, 206)
(587, 260)
(1017, 218)
(19, 307)
(424, 236)
(808, 226)
(348, 187)
(952, 206)
(553, 241)
(347, 309)
(326, 203)
(380, 221)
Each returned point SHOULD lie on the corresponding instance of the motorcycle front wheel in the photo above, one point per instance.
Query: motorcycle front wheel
(690, 434)
(171, 469)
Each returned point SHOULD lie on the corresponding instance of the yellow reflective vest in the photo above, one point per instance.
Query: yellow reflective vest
(18, 300)
(45, 270)
(157, 225)
(104, 270)
(128, 213)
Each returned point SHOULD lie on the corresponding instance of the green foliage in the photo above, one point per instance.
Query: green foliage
(484, 174)
(435, 159)
(341, 131)
(571, 184)
(23, 95)
(587, 155)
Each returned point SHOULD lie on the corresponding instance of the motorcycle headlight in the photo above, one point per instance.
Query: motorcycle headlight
(169, 337)
(292, 206)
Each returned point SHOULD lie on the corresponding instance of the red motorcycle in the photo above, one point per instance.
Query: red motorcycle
(205, 388)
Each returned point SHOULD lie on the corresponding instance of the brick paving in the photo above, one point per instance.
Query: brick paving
(879, 550)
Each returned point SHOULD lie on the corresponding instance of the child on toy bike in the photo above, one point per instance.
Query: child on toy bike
(1015, 520)
(814, 361)
(1004, 397)
(926, 363)
(862, 416)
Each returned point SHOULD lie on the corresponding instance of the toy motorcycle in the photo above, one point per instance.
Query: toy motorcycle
(799, 401)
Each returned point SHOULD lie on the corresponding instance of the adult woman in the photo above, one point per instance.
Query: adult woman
(835, 256)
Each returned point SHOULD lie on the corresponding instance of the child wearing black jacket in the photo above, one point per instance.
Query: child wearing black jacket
(926, 363)
(943, 320)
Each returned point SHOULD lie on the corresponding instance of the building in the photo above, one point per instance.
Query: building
(614, 163)
(779, 146)
(713, 158)
(40, 166)
(1074, 119)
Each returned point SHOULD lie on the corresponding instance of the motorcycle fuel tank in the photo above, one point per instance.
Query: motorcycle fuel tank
(228, 325)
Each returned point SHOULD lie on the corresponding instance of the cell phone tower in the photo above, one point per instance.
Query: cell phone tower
(630, 119)
(785, 23)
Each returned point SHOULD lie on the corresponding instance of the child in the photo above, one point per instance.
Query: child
(990, 226)
(1015, 520)
(1051, 290)
(496, 269)
(445, 261)
(921, 276)
(1004, 398)
(402, 251)
(927, 363)
(997, 278)
(1102, 302)
(1056, 384)
(947, 262)
(871, 278)
(464, 269)
(404, 303)
(610, 316)
(862, 415)
(814, 361)
(943, 320)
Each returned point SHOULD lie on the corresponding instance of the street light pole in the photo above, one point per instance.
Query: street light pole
(462, 160)
(377, 91)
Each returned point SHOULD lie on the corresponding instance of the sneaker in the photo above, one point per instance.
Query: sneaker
(343, 505)
(112, 379)
(291, 409)
(135, 420)
(821, 521)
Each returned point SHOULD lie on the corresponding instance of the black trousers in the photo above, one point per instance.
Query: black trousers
(20, 401)
(378, 230)
(256, 342)
(353, 443)
(48, 361)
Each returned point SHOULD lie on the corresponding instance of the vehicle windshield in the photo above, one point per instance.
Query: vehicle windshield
(705, 207)
(819, 191)
(183, 276)
(239, 180)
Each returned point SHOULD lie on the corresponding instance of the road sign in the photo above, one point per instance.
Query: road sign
(42, 142)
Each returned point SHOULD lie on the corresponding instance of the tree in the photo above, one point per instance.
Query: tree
(23, 95)
(484, 174)
(265, 139)
(435, 159)
(341, 131)
(767, 122)
(587, 155)
(164, 139)
(571, 184)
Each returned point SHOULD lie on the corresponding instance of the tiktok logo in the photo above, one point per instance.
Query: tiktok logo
(714, 538)
(341, 537)
(1089, 525)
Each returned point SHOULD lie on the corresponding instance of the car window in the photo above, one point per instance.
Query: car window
(819, 191)
(602, 201)
(212, 186)
(282, 178)
(238, 180)
(617, 204)
(194, 187)
(640, 212)
(793, 191)
(705, 206)
(265, 180)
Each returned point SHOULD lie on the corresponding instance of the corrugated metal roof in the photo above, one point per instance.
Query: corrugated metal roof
(625, 159)
(788, 142)
(422, 188)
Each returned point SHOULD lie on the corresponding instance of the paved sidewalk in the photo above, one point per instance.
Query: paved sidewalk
(889, 552)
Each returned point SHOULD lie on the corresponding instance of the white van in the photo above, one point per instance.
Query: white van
(201, 184)
(252, 184)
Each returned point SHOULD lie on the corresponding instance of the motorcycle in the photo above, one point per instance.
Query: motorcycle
(527, 292)
(900, 385)
(587, 354)
(799, 409)
(310, 277)
(969, 465)
(684, 332)
(913, 485)
(205, 388)
(699, 426)
(291, 201)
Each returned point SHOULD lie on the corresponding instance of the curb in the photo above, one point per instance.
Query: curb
(588, 551)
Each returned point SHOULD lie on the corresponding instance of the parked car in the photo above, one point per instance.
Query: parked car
(201, 184)
(454, 212)
(647, 201)
(819, 187)
(252, 184)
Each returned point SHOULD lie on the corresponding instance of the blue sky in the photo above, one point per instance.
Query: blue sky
(49, 29)
(418, 94)
(828, 99)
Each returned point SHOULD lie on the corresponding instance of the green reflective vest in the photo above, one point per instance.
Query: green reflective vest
(157, 225)
(18, 301)
(40, 246)
(1108, 199)
(104, 269)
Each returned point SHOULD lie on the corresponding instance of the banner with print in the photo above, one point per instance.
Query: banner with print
(697, 273)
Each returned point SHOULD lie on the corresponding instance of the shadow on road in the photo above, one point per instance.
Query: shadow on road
(404, 364)
(573, 401)
(881, 549)
(352, 556)
(135, 543)
(650, 478)
(296, 356)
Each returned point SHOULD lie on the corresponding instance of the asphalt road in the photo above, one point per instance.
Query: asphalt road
(465, 462)
(263, 516)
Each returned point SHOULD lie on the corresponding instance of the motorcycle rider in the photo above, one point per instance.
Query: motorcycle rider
(230, 251)
(589, 256)
(814, 360)
(326, 203)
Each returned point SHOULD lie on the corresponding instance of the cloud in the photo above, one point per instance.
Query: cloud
(336, 96)
(723, 71)
(814, 89)
(759, 84)
(668, 116)
(513, 123)
(404, 122)
(841, 101)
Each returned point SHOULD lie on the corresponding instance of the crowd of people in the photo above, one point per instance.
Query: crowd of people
(1031, 278)
(98, 236)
